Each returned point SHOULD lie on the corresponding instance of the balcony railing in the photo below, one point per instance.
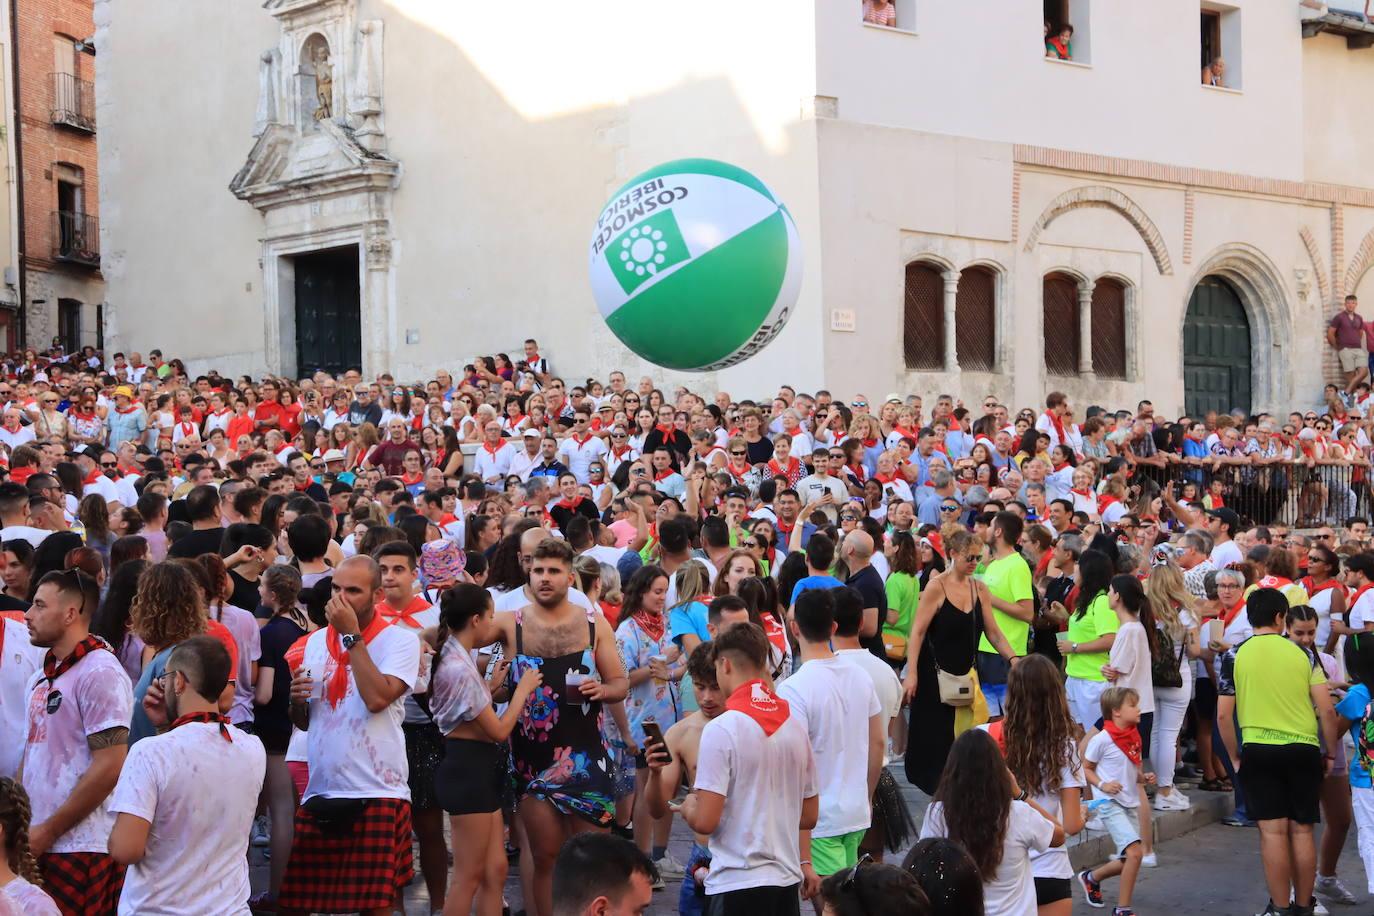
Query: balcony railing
(76, 238)
(73, 102)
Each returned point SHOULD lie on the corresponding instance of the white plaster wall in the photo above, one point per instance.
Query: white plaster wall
(976, 68)
(176, 86)
(512, 139)
(1337, 131)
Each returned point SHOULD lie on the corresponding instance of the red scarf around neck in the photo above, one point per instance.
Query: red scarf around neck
(664, 474)
(219, 717)
(1232, 614)
(1127, 739)
(406, 615)
(54, 669)
(757, 701)
(652, 624)
(1313, 589)
(338, 681)
(1058, 423)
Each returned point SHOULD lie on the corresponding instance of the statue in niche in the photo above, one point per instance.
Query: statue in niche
(324, 84)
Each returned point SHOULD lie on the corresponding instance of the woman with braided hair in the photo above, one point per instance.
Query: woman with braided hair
(20, 891)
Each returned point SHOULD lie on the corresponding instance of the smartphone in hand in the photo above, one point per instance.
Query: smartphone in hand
(654, 735)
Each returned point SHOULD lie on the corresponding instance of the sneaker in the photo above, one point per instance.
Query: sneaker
(1149, 860)
(1091, 889)
(1094, 823)
(670, 868)
(658, 884)
(260, 836)
(1316, 909)
(1272, 910)
(1330, 887)
(1174, 801)
(1232, 820)
(1122, 911)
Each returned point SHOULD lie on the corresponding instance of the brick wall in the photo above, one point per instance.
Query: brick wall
(44, 144)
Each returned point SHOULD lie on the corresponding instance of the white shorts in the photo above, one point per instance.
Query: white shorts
(1121, 824)
(1085, 700)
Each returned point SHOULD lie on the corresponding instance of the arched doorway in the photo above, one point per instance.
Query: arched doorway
(1216, 350)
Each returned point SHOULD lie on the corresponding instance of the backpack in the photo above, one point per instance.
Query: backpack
(1165, 662)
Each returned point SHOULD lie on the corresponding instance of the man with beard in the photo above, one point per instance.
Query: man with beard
(563, 783)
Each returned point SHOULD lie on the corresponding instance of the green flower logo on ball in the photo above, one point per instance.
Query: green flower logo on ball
(695, 265)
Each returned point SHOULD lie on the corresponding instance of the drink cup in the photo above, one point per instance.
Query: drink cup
(661, 659)
(572, 695)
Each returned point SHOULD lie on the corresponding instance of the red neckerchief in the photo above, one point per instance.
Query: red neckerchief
(1059, 48)
(1217, 502)
(735, 472)
(1355, 598)
(187, 429)
(664, 474)
(1313, 589)
(908, 433)
(407, 480)
(20, 475)
(1058, 425)
(857, 470)
(492, 451)
(1060, 466)
(76, 414)
(338, 681)
(131, 408)
(531, 360)
(571, 504)
(583, 441)
(653, 625)
(284, 447)
(91, 478)
(870, 443)
(516, 420)
(667, 431)
(219, 717)
(54, 669)
(1127, 739)
(885, 478)
(1275, 582)
(1233, 613)
(761, 704)
(778, 471)
(617, 453)
(1104, 502)
(406, 615)
(785, 529)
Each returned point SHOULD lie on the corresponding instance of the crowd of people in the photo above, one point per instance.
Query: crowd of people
(319, 616)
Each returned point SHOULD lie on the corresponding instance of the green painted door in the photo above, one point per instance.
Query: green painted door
(1216, 350)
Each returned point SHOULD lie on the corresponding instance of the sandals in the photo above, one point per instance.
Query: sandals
(1216, 785)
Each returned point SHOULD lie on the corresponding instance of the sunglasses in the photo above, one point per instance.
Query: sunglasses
(949, 508)
(739, 454)
(750, 545)
(858, 403)
(112, 464)
(849, 518)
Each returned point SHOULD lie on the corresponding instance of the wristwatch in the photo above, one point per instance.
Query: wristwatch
(1023, 796)
(1073, 648)
(350, 640)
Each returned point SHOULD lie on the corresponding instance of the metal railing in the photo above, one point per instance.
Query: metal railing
(1292, 494)
(73, 102)
(76, 238)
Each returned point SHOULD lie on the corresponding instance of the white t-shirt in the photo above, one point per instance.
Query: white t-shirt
(578, 456)
(355, 753)
(426, 619)
(198, 792)
(25, 899)
(1113, 766)
(96, 695)
(1054, 861)
(1010, 892)
(34, 536)
(458, 693)
(885, 682)
(603, 554)
(104, 486)
(1130, 654)
(18, 661)
(1361, 612)
(813, 487)
(834, 699)
(493, 466)
(21, 436)
(1223, 555)
(764, 779)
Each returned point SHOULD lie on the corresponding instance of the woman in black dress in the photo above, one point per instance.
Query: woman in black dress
(954, 610)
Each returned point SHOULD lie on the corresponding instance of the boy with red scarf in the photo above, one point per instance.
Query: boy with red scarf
(756, 784)
(1111, 764)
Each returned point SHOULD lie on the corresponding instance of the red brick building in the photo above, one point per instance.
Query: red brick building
(55, 133)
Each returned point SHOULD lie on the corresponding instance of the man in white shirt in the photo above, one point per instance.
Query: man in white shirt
(93, 481)
(838, 703)
(756, 785)
(19, 659)
(581, 448)
(348, 698)
(1223, 524)
(814, 488)
(14, 515)
(1054, 421)
(527, 459)
(13, 432)
(494, 456)
(185, 799)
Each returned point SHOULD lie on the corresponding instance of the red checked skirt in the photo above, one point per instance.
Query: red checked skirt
(82, 883)
(363, 868)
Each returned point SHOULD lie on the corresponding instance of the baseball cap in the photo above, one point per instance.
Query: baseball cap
(892, 398)
(531, 432)
(1228, 516)
(92, 452)
(334, 454)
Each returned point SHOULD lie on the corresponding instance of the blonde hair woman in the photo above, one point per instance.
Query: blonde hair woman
(1172, 606)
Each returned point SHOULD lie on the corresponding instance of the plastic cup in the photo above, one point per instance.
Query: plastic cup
(572, 695)
(661, 659)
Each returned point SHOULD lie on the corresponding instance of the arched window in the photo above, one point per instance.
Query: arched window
(923, 317)
(975, 319)
(1109, 329)
(1060, 324)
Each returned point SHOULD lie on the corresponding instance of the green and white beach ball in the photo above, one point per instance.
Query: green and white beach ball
(695, 265)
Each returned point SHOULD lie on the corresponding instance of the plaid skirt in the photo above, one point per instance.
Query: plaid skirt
(82, 883)
(361, 868)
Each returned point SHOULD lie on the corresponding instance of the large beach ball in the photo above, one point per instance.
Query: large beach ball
(695, 264)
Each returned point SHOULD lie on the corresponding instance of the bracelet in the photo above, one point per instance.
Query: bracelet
(805, 861)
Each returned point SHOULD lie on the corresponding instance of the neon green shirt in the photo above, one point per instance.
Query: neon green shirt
(903, 594)
(1096, 623)
(1010, 580)
(1273, 679)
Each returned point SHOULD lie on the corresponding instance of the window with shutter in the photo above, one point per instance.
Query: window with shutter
(923, 317)
(1109, 329)
(1061, 324)
(975, 319)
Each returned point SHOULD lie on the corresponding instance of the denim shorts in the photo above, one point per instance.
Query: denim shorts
(1121, 824)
